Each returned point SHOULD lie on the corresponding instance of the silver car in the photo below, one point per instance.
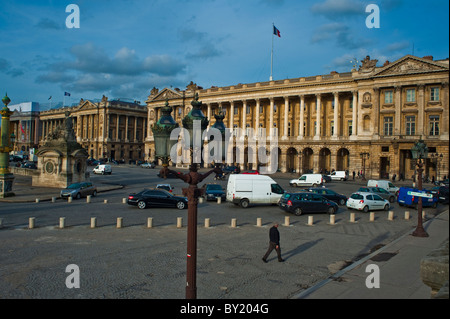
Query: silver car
(380, 192)
(78, 190)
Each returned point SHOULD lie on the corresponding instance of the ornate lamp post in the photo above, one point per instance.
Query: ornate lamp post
(419, 152)
(6, 177)
(364, 156)
(192, 178)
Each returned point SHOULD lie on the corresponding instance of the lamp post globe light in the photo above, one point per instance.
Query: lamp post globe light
(419, 152)
(6, 177)
(192, 178)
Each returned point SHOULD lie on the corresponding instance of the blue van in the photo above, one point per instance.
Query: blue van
(404, 199)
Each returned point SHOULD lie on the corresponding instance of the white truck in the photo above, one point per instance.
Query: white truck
(339, 176)
(307, 180)
(246, 189)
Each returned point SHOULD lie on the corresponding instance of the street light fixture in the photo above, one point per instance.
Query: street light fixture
(163, 145)
(364, 156)
(419, 152)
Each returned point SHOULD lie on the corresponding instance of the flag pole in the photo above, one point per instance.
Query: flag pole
(271, 55)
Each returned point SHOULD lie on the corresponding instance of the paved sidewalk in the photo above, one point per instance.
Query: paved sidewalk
(399, 265)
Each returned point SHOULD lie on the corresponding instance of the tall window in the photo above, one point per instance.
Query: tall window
(388, 97)
(350, 128)
(388, 125)
(332, 127)
(434, 94)
(434, 125)
(410, 95)
(411, 125)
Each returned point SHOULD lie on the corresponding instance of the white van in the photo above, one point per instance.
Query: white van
(339, 176)
(102, 169)
(387, 185)
(307, 180)
(246, 189)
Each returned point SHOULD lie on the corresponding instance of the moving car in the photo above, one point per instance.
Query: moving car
(102, 169)
(367, 201)
(380, 192)
(329, 194)
(231, 170)
(299, 203)
(307, 180)
(78, 190)
(213, 191)
(405, 198)
(442, 194)
(244, 190)
(156, 198)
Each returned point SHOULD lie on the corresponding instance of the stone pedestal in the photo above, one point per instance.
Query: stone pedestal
(6, 183)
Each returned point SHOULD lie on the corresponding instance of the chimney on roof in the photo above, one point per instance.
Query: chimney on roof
(428, 57)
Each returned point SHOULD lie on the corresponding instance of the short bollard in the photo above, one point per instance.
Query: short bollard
(201, 200)
(179, 222)
(207, 220)
(53, 199)
(124, 200)
(149, 222)
(219, 200)
(1, 222)
(62, 222)
(93, 222)
(391, 215)
(31, 223)
(88, 198)
(287, 221)
(310, 220)
(352, 217)
(407, 215)
(69, 199)
(233, 223)
(119, 222)
(332, 219)
(105, 201)
(372, 216)
(259, 222)
(37, 200)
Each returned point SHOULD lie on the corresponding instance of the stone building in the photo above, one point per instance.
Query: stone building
(367, 119)
(106, 129)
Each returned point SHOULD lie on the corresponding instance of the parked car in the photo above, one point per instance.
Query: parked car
(387, 185)
(30, 165)
(231, 170)
(213, 191)
(329, 194)
(405, 198)
(380, 192)
(300, 203)
(326, 178)
(166, 187)
(442, 194)
(148, 165)
(307, 180)
(367, 201)
(253, 172)
(78, 190)
(102, 169)
(156, 198)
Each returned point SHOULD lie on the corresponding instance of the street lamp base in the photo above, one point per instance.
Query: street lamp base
(420, 232)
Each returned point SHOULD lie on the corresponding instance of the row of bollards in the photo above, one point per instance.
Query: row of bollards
(207, 223)
(124, 200)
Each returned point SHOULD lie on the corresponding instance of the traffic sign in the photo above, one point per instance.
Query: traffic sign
(420, 194)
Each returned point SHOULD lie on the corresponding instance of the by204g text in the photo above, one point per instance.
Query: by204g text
(246, 308)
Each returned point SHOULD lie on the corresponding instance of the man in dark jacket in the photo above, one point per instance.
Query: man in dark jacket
(274, 243)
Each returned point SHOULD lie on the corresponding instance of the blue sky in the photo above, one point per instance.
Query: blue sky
(124, 48)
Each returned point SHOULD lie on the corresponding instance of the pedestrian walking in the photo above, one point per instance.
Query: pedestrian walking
(274, 243)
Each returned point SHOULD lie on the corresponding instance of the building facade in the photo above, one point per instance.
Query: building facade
(107, 129)
(366, 120)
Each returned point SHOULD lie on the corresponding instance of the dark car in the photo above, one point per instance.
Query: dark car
(329, 194)
(299, 203)
(213, 191)
(326, 178)
(30, 165)
(383, 193)
(156, 198)
(231, 170)
(442, 193)
(169, 175)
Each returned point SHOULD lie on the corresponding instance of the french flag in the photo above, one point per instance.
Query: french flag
(276, 31)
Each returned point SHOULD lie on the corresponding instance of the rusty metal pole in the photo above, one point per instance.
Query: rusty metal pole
(192, 194)
(420, 231)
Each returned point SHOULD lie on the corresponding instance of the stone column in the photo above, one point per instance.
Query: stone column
(258, 105)
(398, 113)
(271, 117)
(318, 113)
(244, 115)
(421, 107)
(286, 114)
(231, 115)
(336, 114)
(302, 117)
(354, 115)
